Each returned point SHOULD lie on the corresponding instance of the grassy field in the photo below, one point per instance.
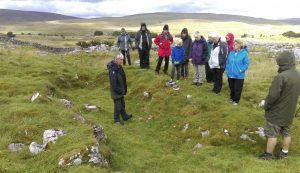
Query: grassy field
(152, 141)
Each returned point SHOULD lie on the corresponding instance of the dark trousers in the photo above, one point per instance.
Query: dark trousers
(185, 69)
(144, 58)
(126, 54)
(218, 79)
(209, 73)
(160, 59)
(236, 88)
(119, 108)
(177, 68)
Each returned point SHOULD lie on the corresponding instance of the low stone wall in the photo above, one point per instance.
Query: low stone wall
(36, 45)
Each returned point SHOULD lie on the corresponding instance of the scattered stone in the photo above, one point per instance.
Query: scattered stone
(15, 147)
(261, 132)
(52, 135)
(76, 77)
(197, 147)
(68, 104)
(189, 97)
(99, 133)
(77, 161)
(96, 157)
(137, 62)
(186, 126)
(79, 117)
(226, 132)
(188, 140)
(90, 107)
(35, 96)
(205, 133)
(36, 148)
(150, 117)
(247, 138)
(146, 94)
(93, 156)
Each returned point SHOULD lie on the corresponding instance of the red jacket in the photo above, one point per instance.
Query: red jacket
(164, 41)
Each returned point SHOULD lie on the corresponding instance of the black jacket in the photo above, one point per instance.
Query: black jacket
(117, 77)
(138, 38)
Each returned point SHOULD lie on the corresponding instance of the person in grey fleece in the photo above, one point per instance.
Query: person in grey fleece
(124, 43)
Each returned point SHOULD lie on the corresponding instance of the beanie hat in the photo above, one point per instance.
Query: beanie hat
(166, 27)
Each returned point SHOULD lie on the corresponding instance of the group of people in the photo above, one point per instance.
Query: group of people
(210, 58)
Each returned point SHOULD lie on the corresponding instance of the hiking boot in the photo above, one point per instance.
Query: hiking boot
(129, 117)
(194, 83)
(282, 155)
(266, 156)
(199, 84)
(119, 123)
(235, 103)
(230, 101)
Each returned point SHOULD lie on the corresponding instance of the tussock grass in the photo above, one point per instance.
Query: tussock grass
(152, 141)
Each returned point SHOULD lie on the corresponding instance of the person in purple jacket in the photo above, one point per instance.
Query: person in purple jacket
(198, 55)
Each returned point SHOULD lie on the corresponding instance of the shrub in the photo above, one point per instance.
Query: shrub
(291, 34)
(83, 44)
(10, 34)
(98, 33)
(29, 33)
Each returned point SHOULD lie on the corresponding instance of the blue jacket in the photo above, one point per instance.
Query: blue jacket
(178, 55)
(237, 63)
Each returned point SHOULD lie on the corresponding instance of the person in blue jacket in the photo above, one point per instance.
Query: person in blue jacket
(236, 65)
(178, 56)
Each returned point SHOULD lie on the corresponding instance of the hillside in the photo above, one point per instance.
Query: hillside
(165, 16)
(153, 141)
(16, 16)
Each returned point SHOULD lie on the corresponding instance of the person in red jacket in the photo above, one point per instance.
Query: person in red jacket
(230, 41)
(163, 41)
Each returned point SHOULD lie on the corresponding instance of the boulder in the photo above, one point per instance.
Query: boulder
(15, 147)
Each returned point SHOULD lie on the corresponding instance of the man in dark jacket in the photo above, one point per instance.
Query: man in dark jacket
(280, 105)
(143, 42)
(118, 87)
(124, 43)
(187, 45)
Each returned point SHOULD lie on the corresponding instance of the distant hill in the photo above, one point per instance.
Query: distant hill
(164, 16)
(16, 16)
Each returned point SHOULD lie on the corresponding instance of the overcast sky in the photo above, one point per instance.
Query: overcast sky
(100, 8)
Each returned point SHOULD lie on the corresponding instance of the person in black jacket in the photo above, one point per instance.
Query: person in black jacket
(187, 45)
(118, 87)
(143, 42)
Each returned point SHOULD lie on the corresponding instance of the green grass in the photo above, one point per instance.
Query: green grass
(145, 144)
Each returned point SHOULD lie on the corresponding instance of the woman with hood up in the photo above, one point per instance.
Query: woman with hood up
(230, 41)
(143, 42)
